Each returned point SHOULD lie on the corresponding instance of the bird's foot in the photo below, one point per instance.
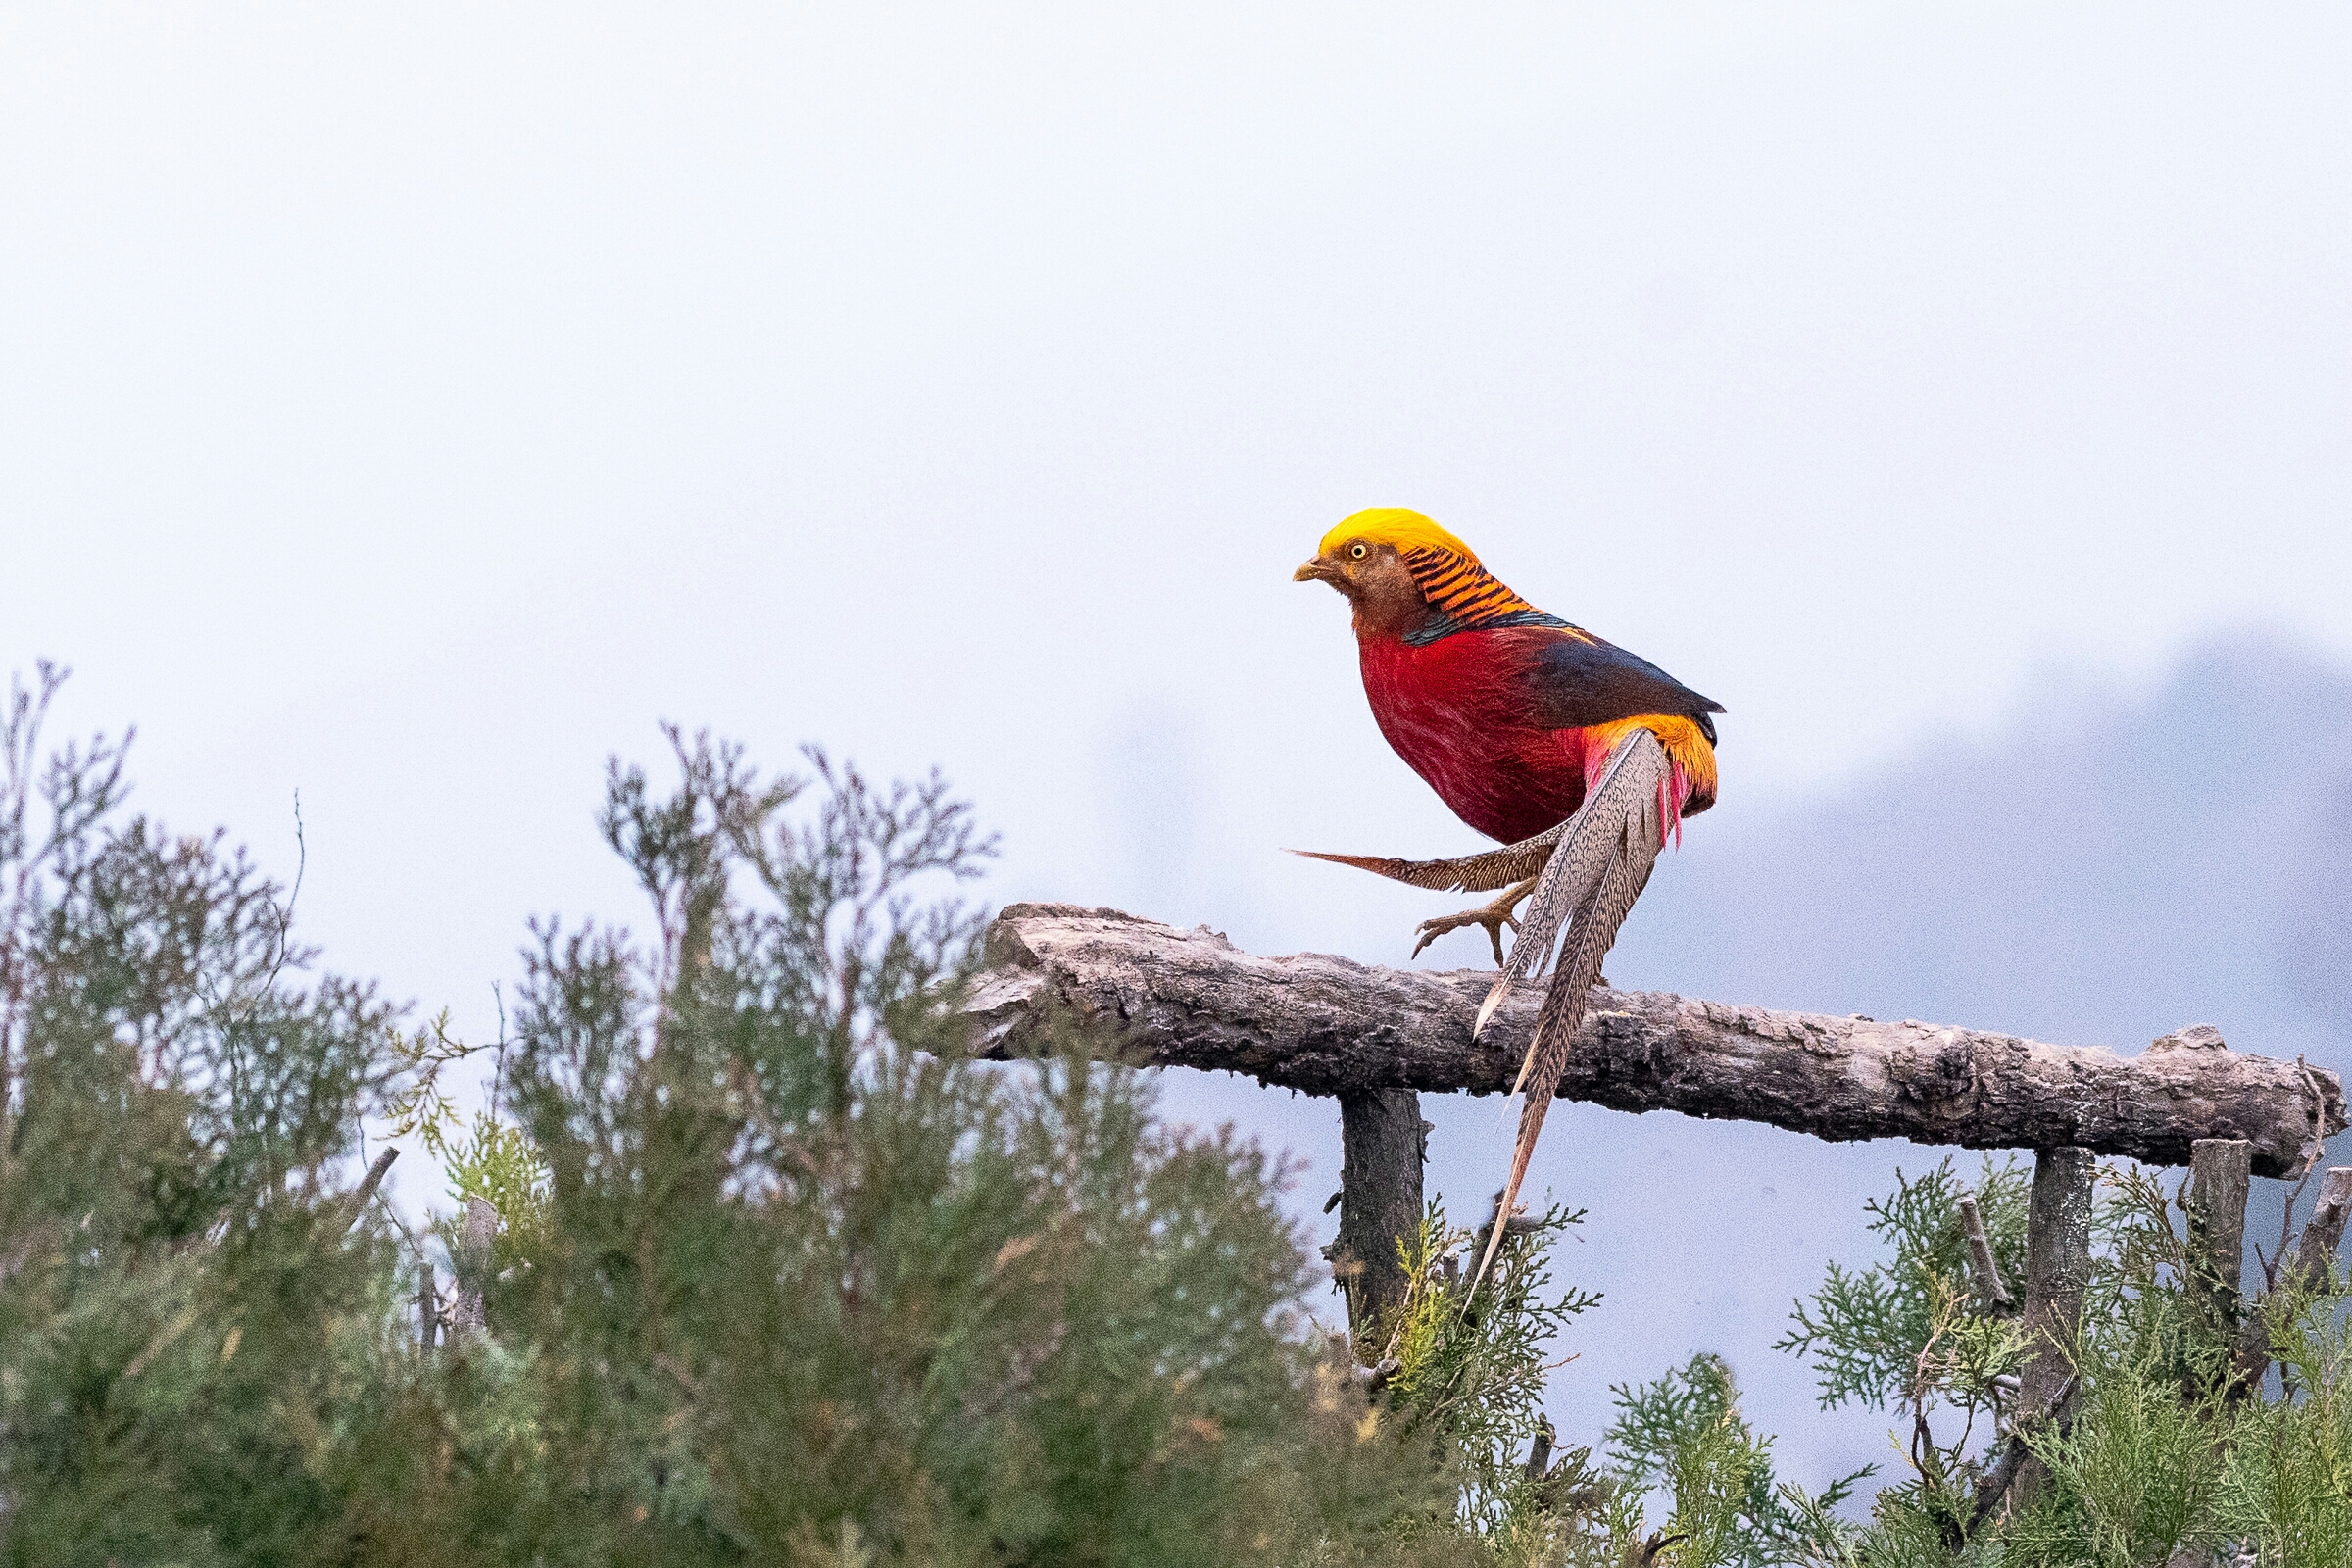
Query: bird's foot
(1490, 918)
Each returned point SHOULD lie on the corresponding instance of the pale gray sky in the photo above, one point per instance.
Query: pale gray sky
(409, 404)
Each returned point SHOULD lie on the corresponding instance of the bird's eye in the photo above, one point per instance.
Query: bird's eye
(1358, 550)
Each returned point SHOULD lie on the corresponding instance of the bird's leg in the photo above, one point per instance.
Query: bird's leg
(1491, 918)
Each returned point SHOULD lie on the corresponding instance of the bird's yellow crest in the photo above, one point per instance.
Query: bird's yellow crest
(1400, 527)
(1464, 594)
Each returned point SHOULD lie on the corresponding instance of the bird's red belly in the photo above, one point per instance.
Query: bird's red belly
(1452, 714)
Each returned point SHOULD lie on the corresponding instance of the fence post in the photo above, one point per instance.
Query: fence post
(2057, 1272)
(1383, 1143)
(2220, 1172)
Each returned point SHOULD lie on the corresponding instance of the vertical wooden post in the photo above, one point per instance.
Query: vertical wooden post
(2057, 1273)
(1382, 1146)
(2221, 1170)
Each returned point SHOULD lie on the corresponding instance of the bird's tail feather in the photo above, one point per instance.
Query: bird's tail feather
(1630, 784)
(1611, 844)
(1483, 872)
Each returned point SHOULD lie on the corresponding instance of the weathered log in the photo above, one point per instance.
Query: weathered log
(1159, 996)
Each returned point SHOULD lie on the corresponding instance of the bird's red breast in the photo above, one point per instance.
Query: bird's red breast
(1460, 711)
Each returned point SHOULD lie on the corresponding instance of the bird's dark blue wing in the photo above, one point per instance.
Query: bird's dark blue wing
(1573, 679)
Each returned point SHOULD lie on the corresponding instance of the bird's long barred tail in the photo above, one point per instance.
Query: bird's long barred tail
(1466, 596)
(1598, 870)
(1463, 873)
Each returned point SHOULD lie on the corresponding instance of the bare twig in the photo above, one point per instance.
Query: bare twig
(2295, 1195)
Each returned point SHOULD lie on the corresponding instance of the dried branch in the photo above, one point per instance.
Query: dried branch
(2315, 1253)
(357, 1203)
(2015, 1451)
(1155, 995)
(1982, 1263)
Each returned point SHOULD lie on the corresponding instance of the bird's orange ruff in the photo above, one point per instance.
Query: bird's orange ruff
(1467, 597)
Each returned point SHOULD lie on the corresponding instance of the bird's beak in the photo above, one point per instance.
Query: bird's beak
(1313, 571)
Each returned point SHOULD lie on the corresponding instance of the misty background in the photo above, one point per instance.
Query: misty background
(409, 405)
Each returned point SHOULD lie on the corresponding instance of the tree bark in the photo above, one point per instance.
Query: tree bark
(1382, 1148)
(1157, 996)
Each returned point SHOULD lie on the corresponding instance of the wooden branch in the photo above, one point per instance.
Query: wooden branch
(1158, 996)
(428, 1305)
(2315, 1254)
(1993, 1490)
(357, 1204)
(1980, 1261)
(473, 1266)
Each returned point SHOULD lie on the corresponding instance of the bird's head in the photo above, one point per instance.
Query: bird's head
(1383, 559)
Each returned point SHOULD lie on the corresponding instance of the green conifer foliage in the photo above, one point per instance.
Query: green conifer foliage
(775, 1275)
(188, 1322)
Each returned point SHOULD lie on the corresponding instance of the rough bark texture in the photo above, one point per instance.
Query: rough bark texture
(428, 1306)
(1382, 1146)
(2057, 1272)
(1159, 996)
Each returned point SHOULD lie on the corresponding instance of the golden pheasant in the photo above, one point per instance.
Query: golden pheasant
(1582, 757)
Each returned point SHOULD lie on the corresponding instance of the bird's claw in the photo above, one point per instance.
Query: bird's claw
(1488, 917)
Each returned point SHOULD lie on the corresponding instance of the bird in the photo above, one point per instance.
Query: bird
(1582, 759)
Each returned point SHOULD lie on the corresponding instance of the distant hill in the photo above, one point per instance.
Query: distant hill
(2099, 872)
